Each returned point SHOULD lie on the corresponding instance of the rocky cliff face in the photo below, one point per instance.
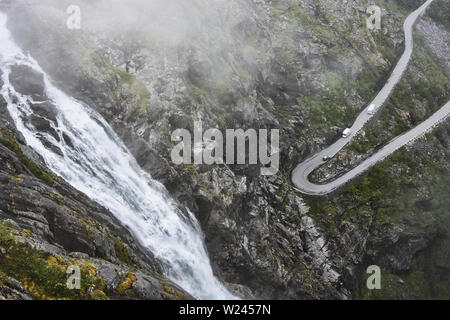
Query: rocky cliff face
(271, 64)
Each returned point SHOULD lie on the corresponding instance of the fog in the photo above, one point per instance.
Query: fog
(167, 21)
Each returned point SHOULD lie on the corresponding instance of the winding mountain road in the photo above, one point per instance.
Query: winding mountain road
(300, 175)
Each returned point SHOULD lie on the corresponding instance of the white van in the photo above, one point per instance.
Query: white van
(372, 109)
(346, 133)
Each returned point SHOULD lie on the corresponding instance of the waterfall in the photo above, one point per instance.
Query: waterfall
(94, 160)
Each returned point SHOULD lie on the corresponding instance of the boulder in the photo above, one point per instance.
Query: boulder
(27, 81)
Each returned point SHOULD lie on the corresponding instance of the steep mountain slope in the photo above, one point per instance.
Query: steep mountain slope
(47, 226)
(288, 65)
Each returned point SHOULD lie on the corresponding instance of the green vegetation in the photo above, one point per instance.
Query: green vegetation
(386, 194)
(127, 283)
(318, 25)
(330, 107)
(121, 251)
(333, 109)
(8, 140)
(124, 88)
(326, 112)
(390, 195)
(424, 281)
(440, 12)
(418, 95)
(138, 95)
(44, 276)
(174, 292)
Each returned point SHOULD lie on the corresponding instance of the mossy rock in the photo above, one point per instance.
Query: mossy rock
(8, 140)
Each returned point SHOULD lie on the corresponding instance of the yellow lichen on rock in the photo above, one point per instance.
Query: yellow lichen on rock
(177, 294)
(127, 283)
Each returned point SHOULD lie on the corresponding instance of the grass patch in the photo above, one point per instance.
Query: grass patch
(8, 140)
(44, 276)
(121, 251)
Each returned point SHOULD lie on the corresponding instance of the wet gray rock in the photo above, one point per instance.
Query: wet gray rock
(11, 289)
(45, 109)
(43, 125)
(27, 81)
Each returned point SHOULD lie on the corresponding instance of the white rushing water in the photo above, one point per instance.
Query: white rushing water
(99, 165)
